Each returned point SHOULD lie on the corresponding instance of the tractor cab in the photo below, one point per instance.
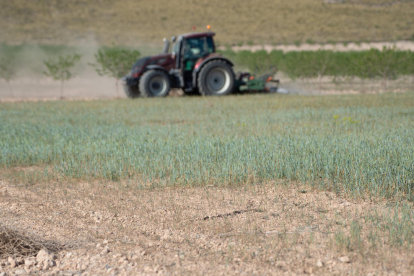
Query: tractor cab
(190, 48)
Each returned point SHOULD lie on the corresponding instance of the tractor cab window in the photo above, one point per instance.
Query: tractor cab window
(210, 44)
(195, 48)
(176, 47)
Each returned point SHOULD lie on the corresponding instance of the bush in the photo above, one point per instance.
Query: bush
(385, 64)
(8, 70)
(115, 62)
(60, 68)
(15, 244)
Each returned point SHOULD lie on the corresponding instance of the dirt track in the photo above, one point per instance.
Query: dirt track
(340, 47)
(95, 87)
(47, 89)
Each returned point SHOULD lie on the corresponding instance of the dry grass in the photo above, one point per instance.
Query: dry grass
(236, 22)
(267, 229)
(15, 244)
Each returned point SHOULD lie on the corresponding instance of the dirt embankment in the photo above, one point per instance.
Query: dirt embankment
(234, 21)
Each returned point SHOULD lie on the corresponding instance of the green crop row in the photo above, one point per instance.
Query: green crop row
(386, 64)
(359, 145)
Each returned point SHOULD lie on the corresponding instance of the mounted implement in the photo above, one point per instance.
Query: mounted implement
(246, 82)
(193, 65)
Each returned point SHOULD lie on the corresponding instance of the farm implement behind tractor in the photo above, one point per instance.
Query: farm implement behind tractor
(246, 82)
(195, 67)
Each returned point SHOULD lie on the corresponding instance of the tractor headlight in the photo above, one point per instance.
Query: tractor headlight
(135, 70)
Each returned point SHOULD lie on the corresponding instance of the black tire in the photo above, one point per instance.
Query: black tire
(131, 91)
(216, 78)
(154, 83)
(192, 93)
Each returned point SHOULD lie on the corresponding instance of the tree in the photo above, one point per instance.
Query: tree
(8, 71)
(293, 64)
(320, 64)
(60, 68)
(115, 62)
(383, 64)
(409, 62)
(388, 65)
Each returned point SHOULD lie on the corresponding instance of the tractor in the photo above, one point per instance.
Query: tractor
(193, 65)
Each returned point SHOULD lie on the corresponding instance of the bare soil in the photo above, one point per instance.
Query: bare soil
(95, 87)
(112, 228)
(83, 87)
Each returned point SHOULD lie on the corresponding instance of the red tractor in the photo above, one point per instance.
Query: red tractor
(193, 65)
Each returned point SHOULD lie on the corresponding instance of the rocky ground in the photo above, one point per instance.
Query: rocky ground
(280, 228)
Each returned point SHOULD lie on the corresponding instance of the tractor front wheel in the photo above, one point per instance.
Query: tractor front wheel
(216, 78)
(154, 83)
(131, 91)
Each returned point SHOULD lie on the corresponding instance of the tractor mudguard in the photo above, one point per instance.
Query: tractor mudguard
(202, 61)
(129, 80)
(174, 80)
(210, 57)
(156, 67)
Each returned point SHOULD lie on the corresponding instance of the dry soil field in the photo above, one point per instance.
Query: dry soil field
(272, 229)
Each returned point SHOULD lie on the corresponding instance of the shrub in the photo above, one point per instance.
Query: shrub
(385, 64)
(60, 68)
(115, 62)
(8, 71)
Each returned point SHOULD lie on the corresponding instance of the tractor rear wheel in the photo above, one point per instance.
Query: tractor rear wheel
(131, 91)
(154, 83)
(216, 78)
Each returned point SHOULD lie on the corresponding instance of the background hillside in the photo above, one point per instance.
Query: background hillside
(130, 22)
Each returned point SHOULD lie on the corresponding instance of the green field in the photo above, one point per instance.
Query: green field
(358, 145)
(131, 22)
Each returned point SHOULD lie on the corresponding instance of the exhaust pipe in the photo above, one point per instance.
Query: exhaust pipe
(166, 47)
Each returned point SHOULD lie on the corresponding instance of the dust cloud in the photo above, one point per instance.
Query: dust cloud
(30, 83)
